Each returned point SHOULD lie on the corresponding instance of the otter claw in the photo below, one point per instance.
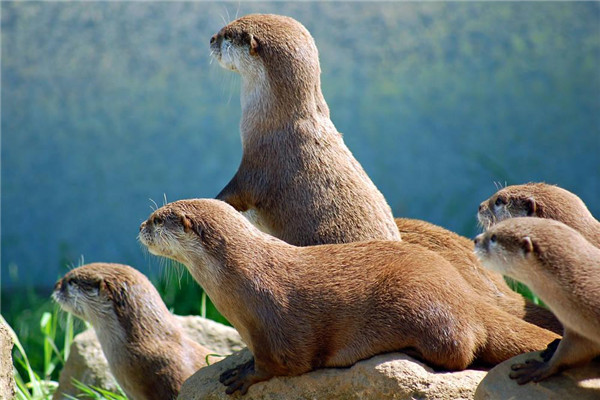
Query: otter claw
(531, 370)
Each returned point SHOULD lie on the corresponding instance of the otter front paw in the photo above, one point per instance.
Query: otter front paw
(531, 370)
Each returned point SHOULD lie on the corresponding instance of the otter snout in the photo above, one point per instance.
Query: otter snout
(481, 207)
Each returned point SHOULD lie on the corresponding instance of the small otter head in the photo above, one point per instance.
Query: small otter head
(97, 292)
(506, 203)
(502, 248)
(276, 57)
(523, 247)
(532, 200)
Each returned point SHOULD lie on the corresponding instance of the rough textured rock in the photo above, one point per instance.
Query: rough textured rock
(87, 363)
(578, 383)
(388, 376)
(7, 381)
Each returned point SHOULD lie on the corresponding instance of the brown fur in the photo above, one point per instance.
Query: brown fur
(543, 201)
(301, 308)
(296, 171)
(563, 269)
(458, 250)
(146, 349)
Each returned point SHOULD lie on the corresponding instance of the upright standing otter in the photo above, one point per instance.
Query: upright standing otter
(543, 201)
(296, 172)
(299, 179)
(147, 351)
(302, 308)
(563, 269)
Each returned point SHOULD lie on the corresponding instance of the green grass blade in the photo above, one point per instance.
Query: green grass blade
(69, 333)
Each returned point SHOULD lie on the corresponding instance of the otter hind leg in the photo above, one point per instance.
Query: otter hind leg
(508, 336)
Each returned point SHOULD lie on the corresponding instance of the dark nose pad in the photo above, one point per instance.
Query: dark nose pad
(480, 207)
(142, 226)
(58, 285)
(213, 39)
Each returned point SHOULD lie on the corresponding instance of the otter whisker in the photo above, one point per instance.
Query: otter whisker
(154, 204)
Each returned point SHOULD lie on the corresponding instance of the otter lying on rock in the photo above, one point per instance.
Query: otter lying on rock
(302, 308)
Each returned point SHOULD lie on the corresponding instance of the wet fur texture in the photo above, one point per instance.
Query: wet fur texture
(296, 172)
(146, 349)
(543, 201)
(301, 308)
(563, 269)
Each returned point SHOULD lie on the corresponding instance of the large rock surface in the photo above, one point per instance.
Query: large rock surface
(387, 376)
(7, 380)
(87, 363)
(578, 383)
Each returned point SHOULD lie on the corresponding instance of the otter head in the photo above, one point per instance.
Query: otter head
(503, 249)
(98, 292)
(195, 233)
(277, 59)
(531, 200)
(524, 247)
(505, 204)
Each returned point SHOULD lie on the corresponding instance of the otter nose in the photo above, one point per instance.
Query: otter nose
(142, 225)
(477, 239)
(58, 285)
(480, 207)
(213, 39)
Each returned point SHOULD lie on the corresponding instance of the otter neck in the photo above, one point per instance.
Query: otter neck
(230, 269)
(268, 108)
(146, 320)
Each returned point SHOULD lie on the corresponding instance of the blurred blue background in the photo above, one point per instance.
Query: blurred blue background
(108, 105)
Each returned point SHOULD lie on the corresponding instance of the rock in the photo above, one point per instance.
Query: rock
(219, 338)
(87, 363)
(578, 383)
(387, 376)
(7, 379)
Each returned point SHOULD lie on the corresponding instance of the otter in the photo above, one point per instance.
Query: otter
(302, 308)
(540, 200)
(147, 350)
(563, 269)
(296, 174)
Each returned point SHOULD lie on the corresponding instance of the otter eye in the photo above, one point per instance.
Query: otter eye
(227, 36)
(499, 202)
(493, 238)
(158, 221)
(70, 281)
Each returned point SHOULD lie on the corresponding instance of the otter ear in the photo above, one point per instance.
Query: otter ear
(190, 226)
(115, 292)
(527, 245)
(254, 46)
(531, 206)
(187, 223)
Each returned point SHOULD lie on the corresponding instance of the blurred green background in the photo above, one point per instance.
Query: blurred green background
(108, 105)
